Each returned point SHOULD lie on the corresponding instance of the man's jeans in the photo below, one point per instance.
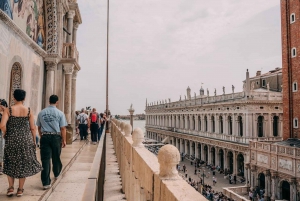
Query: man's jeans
(50, 147)
(100, 130)
(1, 147)
(83, 131)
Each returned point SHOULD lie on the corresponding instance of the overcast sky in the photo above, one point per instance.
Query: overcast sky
(159, 48)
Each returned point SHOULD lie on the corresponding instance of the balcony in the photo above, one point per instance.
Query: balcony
(70, 51)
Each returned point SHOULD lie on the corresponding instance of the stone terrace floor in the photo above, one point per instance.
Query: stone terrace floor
(77, 160)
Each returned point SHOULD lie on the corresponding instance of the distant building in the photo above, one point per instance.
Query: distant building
(218, 128)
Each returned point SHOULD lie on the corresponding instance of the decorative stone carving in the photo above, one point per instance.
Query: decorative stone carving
(138, 138)
(285, 164)
(168, 157)
(74, 75)
(71, 14)
(50, 65)
(273, 162)
(68, 68)
(127, 130)
(262, 158)
(51, 16)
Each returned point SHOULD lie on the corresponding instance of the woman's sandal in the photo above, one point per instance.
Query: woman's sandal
(20, 192)
(10, 191)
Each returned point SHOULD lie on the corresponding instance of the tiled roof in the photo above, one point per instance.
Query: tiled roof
(268, 73)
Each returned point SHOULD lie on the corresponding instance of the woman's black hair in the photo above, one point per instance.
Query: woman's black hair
(19, 94)
(3, 102)
(101, 115)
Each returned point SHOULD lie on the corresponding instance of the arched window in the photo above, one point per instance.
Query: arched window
(183, 122)
(275, 126)
(15, 80)
(194, 123)
(188, 122)
(293, 18)
(260, 126)
(240, 122)
(213, 127)
(229, 125)
(221, 124)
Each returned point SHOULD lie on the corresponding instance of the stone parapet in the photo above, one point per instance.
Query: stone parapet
(237, 193)
(144, 176)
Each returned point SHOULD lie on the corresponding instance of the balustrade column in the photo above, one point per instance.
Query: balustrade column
(50, 67)
(71, 15)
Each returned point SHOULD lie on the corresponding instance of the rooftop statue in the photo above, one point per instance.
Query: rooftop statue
(207, 92)
(232, 88)
(223, 90)
(215, 92)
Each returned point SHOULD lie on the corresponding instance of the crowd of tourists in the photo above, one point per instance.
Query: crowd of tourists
(19, 139)
(207, 190)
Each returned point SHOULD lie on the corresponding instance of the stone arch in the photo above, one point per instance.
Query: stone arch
(261, 180)
(221, 126)
(275, 125)
(213, 156)
(285, 190)
(221, 158)
(205, 123)
(205, 149)
(229, 124)
(230, 161)
(16, 75)
(240, 125)
(213, 124)
(260, 126)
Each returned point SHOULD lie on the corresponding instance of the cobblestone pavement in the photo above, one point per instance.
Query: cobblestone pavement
(221, 182)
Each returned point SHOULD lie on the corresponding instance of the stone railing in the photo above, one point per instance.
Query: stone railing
(253, 95)
(236, 193)
(145, 176)
(70, 51)
(224, 137)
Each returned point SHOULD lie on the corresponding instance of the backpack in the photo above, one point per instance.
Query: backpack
(94, 117)
(82, 119)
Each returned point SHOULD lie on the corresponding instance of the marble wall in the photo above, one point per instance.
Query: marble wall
(13, 49)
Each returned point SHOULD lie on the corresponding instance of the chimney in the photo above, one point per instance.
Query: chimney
(258, 73)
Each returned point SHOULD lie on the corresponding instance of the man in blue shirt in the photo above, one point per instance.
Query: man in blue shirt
(51, 124)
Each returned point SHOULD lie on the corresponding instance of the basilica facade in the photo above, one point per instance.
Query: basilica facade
(38, 52)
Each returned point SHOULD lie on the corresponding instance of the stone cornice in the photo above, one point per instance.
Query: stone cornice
(22, 34)
(74, 6)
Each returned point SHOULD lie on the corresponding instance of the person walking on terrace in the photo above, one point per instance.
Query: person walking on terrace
(3, 105)
(18, 130)
(82, 120)
(94, 125)
(51, 124)
(102, 120)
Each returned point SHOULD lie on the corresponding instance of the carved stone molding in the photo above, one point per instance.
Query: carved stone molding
(71, 14)
(51, 23)
(50, 65)
(68, 68)
(74, 75)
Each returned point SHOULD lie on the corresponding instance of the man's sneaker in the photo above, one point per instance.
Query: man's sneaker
(47, 187)
(59, 174)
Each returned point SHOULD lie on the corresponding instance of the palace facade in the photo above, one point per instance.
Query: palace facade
(219, 128)
(38, 52)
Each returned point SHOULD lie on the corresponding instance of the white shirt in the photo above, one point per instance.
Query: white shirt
(84, 117)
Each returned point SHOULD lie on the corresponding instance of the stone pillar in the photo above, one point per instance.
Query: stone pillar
(293, 189)
(280, 125)
(73, 101)
(202, 152)
(225, 159)
(246, 173)
(273, 186)
(71, 15)
(217, 157)
(255, 131)
(234, 125)
(185, 146)
(217, 124)
(234, 162)
(249, 125)
(191, 147)
(245, 124)
(267, 185)
(209, 154)
(225, 124)
(50, 67)
(196, 150)
(68, 69)
(75, 28)
(209, 123)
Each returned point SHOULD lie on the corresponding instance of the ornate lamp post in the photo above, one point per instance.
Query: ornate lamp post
(131, 111)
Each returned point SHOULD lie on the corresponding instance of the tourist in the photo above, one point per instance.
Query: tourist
(102, 120)
(234, 179)
(214, 179)
(94, 125)
(51, 124)
(82, 120)
(3, 105)
(18, 130)
(250, 195)
(184, 167)
(76, 122)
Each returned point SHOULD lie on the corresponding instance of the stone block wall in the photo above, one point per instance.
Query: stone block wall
(146, 177)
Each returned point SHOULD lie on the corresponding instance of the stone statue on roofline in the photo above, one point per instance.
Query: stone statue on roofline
(232, 89)
(195, 95)
(180, 98)
(223, 90)
(215, 92)
(252, 86)
(207, 92)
